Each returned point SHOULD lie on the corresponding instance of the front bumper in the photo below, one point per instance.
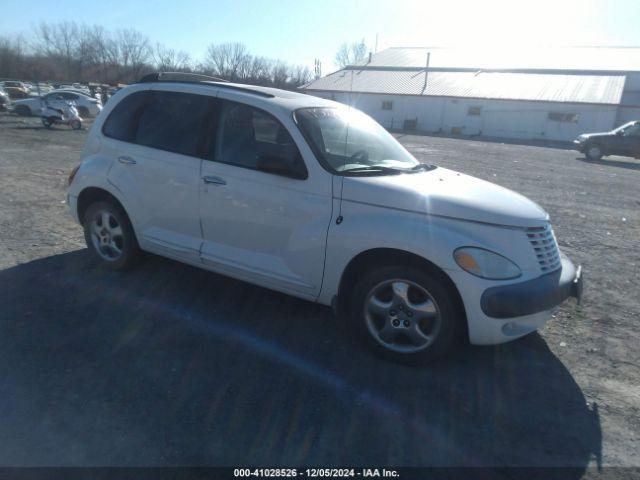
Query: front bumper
(534, 296)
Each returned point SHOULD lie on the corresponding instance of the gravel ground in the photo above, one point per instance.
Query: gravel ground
(170, 365)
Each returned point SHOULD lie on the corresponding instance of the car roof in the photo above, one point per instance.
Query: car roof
(285, 99)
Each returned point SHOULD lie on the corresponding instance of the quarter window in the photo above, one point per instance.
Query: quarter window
(122, 123)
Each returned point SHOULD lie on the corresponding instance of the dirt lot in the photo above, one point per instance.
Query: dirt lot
(169, 365)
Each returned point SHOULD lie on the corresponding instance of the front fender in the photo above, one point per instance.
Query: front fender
(367, 227)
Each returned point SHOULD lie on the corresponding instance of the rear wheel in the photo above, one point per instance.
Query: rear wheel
(405, 313)
(76, 124)
(46, 121)
(110, 236)
(593, 152)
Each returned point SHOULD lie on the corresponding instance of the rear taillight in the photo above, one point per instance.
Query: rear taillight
(72, 175)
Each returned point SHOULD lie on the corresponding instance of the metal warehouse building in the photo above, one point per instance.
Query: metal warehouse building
(553, 94)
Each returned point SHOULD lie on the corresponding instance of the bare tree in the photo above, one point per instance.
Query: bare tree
(67, 51)
(58, 41)
(228, 60)
(12, 57)
(133, 51)
(351, 54)
(300, 75)
(170, 60)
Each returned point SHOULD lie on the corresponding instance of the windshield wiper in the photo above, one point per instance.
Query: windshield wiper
(374, 168)
(385, 169)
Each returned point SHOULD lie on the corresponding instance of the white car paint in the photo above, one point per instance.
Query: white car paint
(35, 104)
(282, 233)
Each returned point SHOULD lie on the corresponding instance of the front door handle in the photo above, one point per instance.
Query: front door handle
(126, 160)
(214, 180)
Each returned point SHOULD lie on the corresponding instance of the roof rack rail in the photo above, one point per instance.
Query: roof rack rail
(181, 77)
(178, 77)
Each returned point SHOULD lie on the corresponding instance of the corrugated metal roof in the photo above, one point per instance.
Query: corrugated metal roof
(561, 58)
(605, 89)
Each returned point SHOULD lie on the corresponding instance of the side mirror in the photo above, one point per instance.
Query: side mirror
(280, 165)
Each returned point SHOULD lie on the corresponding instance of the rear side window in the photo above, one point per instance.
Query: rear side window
(122, 122)
(173, 121)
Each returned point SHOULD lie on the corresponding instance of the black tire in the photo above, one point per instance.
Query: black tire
(22, 110)
(437, 287)
(83, 112)
(126, 242)
(76, 124)
(46, 122)
(593, 151)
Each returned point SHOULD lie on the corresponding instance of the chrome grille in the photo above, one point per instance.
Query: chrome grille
(545, 247)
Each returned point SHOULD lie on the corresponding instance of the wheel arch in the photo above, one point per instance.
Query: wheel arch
(377, 257)
(596, 143)
(91, 195)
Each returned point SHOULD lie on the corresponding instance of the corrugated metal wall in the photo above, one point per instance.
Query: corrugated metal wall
(496, 118)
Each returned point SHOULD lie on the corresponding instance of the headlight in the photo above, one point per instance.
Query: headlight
(485, 264)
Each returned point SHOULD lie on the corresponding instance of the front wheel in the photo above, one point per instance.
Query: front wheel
(110, 236)
(593, 152)
(405, 313)
(76, 124)
(47, 122)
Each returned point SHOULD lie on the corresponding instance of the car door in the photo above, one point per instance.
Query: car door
(268, 228)
(154, 140)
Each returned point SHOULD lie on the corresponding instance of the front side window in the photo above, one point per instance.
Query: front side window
(346, 140)
(250, 138)
(173, 121)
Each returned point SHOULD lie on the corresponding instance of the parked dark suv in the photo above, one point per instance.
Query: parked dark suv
(624, 140)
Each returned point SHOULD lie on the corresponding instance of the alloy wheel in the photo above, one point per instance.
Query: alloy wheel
(106, 235)
(402, 316)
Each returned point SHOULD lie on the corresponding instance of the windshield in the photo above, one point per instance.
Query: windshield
(347, 140)
(627, 127)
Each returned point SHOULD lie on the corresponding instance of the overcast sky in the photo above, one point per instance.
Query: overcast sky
(300, 30)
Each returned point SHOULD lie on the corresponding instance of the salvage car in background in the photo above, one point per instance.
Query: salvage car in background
(16, 93)
(5, 100)
(16, 89)
(624, 141)
(87, 106)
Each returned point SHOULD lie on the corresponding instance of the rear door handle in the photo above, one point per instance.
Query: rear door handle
(125, 160)
(214, 180)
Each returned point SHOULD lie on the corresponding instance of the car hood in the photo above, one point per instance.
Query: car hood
(446, 193)
(587, 136)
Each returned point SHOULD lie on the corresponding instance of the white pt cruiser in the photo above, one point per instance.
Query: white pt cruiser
(315, 199)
